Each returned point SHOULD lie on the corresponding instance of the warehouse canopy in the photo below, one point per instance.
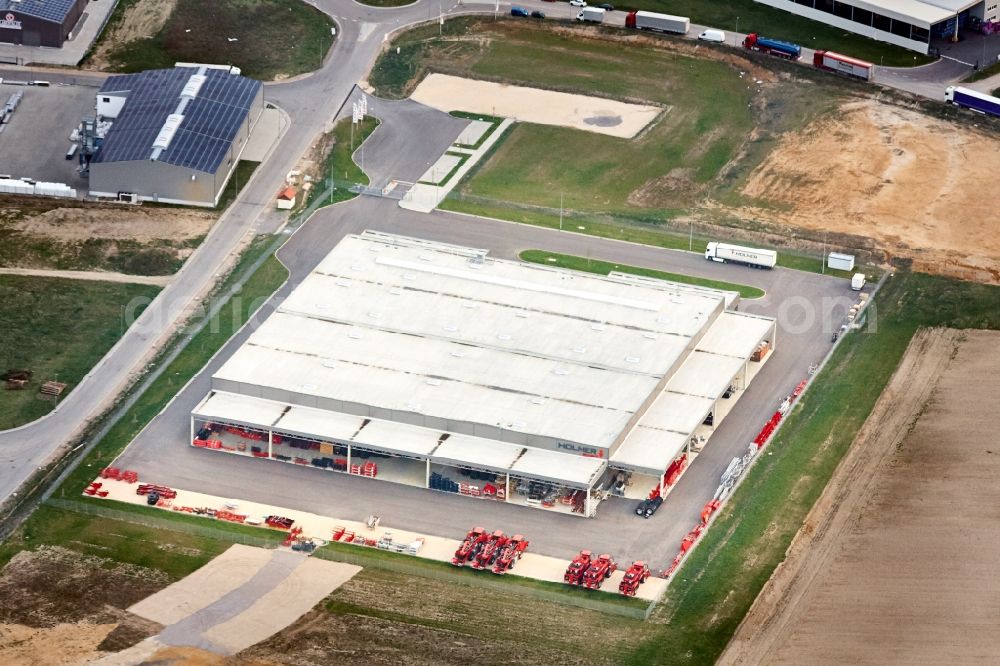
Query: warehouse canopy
(677, 412)
(466, 451)
(735, 334)
(397, 438)
(649, 450)
(319, 424)
(706, 375)
(239, 409)
(561, 468)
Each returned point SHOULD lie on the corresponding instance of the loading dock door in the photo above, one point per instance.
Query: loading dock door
(32, 38)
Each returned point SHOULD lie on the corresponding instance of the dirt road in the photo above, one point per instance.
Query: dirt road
(896, 562)
(99, 276)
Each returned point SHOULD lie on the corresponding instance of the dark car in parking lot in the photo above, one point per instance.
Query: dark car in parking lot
(607, 6)
(648, 507)
(537, 14)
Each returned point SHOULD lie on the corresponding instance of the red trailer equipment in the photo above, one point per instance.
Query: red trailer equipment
(510, 554)
(598, 572)
(489, 551)
(634, 577)
(576, 569)
(470, 546)
(834, 62)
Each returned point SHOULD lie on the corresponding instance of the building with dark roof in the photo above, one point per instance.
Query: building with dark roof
(39, 22)
(176, 134)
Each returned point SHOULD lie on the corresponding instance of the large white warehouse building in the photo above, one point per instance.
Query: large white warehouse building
(437, 366)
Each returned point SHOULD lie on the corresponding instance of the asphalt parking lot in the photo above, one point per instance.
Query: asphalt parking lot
(33, 143)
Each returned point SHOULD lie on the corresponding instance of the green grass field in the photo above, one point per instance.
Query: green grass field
(273, 38)
(59, 329)
(589, 265)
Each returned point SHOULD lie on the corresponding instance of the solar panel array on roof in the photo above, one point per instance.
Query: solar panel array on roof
(211, 120)
(49, 10)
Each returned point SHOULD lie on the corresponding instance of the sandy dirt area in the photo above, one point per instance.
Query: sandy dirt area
(143, 19)
(61, 607)
(534, 105)
(917, 185)
(896, 563)
(141, 224)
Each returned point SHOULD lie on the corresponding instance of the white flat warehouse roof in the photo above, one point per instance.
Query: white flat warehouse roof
(924, 14)
(400, 438)
(649, 450)
(678, 412)
(412, 326)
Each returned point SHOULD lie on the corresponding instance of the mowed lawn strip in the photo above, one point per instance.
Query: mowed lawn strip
(266, 39)
(589, 265)
(256, 290)
(713, 590)
(341, 169)
(59, 329)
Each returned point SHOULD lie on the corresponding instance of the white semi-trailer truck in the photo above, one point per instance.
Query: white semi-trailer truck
(591, 14)
(737, 254)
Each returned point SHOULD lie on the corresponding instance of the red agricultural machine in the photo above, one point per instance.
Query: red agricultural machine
(510, 553)
(470, 546)
(598, 572)
(489, 551)
(634, 577)
(576, 569)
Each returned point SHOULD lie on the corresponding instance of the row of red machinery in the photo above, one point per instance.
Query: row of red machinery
(127, 475)
(590, 572)
(494, 551)
(762, 438)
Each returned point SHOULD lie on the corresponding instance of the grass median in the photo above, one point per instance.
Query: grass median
(58, 329)
(342, 171)
(589, 265)
(716, 586)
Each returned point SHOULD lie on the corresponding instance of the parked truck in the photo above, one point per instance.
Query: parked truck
(658, 22)
(737, 254)
(858, 281)
(834, 62)
(972, 99)
(774, 47)
(591, 15)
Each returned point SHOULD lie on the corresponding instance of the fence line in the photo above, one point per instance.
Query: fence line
(362, 558)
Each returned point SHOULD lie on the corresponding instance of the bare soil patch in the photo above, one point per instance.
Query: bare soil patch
(915, 184)
(59, 606)
(144, 240)
(895, 563)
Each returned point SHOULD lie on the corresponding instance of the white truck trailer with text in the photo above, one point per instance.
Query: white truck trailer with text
(737, 254)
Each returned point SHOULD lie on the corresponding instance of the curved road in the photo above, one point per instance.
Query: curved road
(310, 103)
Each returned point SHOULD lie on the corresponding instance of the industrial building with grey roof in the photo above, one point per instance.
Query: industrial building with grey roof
(441, 356)
(39, 22)
(176, 134)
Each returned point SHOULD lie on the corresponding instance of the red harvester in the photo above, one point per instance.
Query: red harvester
(470, 546)
(510, 554)
(489, 551)
(598, 572)
(634, 577)
(576, 569)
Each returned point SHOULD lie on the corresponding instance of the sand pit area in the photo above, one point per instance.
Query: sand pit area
(534, 105)
(896, 563)
(917, 185)
(241, 597)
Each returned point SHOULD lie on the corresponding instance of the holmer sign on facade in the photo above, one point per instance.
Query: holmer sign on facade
(10, 22)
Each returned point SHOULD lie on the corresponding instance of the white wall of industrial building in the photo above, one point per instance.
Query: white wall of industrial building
(846, 24)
